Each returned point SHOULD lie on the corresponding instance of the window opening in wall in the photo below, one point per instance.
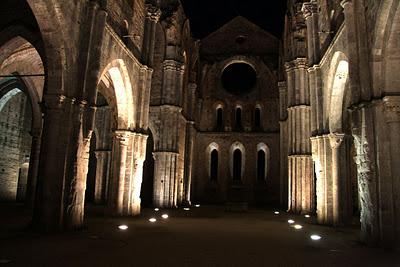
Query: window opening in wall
(238, 119)
(220, 124)
(214, 165)
(239, 78)
(237, 165)
(261, 165)
(257, 118)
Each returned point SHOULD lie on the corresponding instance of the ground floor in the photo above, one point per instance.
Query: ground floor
(201, 236)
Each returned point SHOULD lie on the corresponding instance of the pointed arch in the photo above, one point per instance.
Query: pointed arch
(119, 92)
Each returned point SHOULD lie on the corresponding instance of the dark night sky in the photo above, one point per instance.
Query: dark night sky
(207, 16)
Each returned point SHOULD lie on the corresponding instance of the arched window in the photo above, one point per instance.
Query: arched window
(263, 155)
(220, 122)
(257, 118)
(214, 165)
(237, 165)
(261, 165)
(238, 118)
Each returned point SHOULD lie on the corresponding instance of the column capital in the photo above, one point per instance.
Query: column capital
(336, 139)
(171, 64)
(308, 9)
(57, 101)
(289, 66)
(122, 136)
(392, 108)
(153, 13)
(300, 62)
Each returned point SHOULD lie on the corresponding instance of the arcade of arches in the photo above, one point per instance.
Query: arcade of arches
(114, 103)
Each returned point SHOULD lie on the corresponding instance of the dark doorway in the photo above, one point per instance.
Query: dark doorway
(146, 192)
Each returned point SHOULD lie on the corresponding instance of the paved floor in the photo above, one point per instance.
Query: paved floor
(204, 236)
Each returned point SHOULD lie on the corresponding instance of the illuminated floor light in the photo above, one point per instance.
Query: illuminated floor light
(307, 216)
(156, 209)
(298, 227)
(197, 205)
(152, 220)
(290, 221)
(164, 216)
(276, 212)
(123, 227)
(315, 237)
(186, 208)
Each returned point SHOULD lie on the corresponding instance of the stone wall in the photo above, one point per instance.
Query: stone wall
(15, 142)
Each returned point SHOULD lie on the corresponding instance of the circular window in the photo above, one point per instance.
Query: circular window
(238, 78)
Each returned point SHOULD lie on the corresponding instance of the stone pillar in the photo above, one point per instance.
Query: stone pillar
(310, 12)
(33, 168)
(300, 167)
(138, 156)
(53, 182)
(152, 16)
(390, 207)
(335, 142)
(168, 169)
(364, 134)
(283, 144)
(102, 175)
(189, 143)
(165, 179)
(115, 201)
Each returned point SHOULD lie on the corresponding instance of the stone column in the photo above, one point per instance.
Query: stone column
(102, 175)
(136, 175)
(391, 216)
(168, 171)
(121, 140)
(300, 167)
(310, 12)
(152, 16)
(283, 143)
(336, 140)
(165, 179)
(49, 210)
(364, 135)
(33, 168)
(190, 136)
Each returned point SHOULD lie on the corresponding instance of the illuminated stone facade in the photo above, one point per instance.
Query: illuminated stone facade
(95, 94)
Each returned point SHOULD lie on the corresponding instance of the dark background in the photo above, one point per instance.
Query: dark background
(206, 16)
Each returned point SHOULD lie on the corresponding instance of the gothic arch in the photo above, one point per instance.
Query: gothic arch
(385, 46)
(53, 36)
(116, 76)
(234, 147)
(339, 72)
(264, 148)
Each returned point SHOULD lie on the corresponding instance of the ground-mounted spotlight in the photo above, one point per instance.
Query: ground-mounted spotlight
(164, 216)
(186, 208)
(276, 212)
(315, 237)
(152, 220)
(123, 227)
(298, 227)
(156, 209)
(290, 221)
(307, 216)
(197, 205)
